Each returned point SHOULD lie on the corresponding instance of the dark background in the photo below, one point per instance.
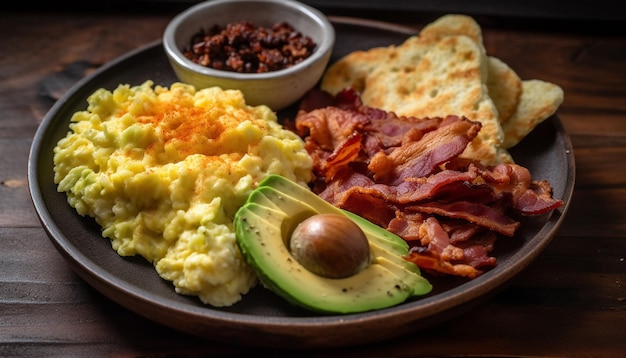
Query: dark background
(597, 10)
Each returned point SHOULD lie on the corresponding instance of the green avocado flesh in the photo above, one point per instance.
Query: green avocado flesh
(264, 225)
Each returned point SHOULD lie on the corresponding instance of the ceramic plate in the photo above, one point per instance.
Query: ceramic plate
(262, 318)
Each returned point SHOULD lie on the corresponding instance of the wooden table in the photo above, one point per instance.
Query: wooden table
(570, 302)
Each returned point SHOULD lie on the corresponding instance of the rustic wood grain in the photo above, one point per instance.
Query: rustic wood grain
(571, 302)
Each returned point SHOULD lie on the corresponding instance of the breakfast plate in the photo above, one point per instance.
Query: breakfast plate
(262, 318)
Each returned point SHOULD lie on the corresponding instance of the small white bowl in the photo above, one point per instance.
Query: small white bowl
(276, 89)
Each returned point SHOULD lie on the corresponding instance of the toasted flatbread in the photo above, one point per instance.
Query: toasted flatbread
(505, 88)
(352, 70)
(455, 24)
(503, 83)
(433, 74)
(445, 70)
(539, 101)
(436, 77)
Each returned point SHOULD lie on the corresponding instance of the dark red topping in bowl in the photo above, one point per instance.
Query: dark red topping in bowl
(245, 48)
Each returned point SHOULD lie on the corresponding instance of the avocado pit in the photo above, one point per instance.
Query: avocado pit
(330, 245)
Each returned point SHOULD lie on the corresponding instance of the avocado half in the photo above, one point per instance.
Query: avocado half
(263, 226)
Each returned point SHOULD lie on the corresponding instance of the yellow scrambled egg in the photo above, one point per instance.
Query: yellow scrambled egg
(163, 171)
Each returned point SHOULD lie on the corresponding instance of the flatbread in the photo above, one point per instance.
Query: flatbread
(539, 101)
(505, 88)
(352, 70)
(504, 84)
(452, 25)
(437, 77)
(445, 70)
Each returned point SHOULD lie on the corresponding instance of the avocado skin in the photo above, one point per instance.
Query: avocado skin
(263, 226)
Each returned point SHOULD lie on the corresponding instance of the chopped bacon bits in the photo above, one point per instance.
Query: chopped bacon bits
(245, 48)
(405, 174)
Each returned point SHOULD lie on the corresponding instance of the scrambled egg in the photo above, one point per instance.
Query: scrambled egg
(163, 171)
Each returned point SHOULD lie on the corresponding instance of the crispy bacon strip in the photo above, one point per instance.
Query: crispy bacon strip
(528, 196)
(329, 127)
(342, 156)
(410, 191)
(404, 174)
(420, 158)
(435, 265)
(477, 213)
(537, 199)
